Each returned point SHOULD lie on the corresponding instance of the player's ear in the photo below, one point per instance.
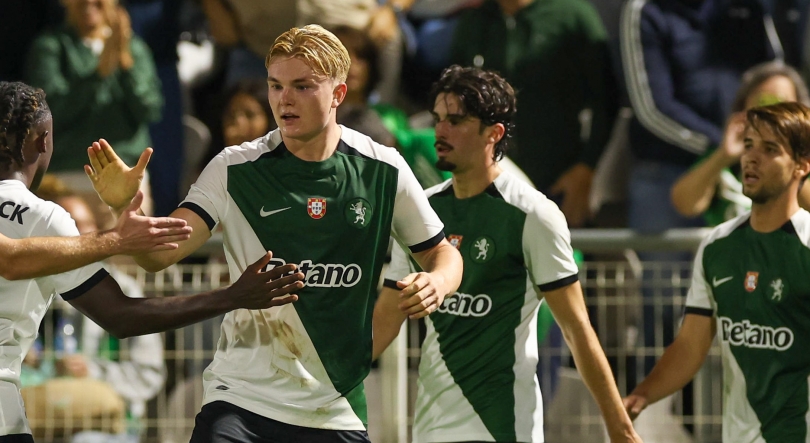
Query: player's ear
(802, 167)
(338, 94)
(41, 142)
(495, 132)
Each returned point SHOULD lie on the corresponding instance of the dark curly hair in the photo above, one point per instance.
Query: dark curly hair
(484, 95)
(21, 107)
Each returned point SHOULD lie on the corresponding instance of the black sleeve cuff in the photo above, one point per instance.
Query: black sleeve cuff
(698, 311)
(563, 282)
(390, 284)
(201, 212)
(86, 286)
(427, 244)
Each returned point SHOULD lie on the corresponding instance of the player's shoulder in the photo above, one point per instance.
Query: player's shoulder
(250, 150)
(725, 229)
(21, 206)
(357, 143)
(439, 188)
(800, 224)
(525, 197)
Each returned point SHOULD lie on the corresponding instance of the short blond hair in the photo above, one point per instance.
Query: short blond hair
(319, 49)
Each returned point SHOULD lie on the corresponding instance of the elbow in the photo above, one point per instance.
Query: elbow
(682, 202)
(12, 273)
(121, 329)
(154, 265)
(119, 332)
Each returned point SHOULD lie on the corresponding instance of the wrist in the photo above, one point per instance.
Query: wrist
(439, 281)
(110, 243)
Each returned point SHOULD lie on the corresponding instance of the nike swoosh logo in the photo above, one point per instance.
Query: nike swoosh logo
(716, 282)
(264, 213)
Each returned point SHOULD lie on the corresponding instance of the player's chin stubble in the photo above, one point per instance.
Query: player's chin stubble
(444, 165)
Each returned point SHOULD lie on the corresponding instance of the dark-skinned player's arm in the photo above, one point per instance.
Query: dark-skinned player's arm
(115, 182)
(133, 234)
(123, 316)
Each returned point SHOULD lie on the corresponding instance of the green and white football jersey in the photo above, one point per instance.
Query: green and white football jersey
(304, 363)
(477, 374)
(757, 287)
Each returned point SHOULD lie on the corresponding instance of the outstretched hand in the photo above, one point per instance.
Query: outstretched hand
(259, 289)
(138, 234)
(420, 295)
(115, 182)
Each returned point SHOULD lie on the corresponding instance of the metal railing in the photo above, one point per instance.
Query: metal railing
(618, 288)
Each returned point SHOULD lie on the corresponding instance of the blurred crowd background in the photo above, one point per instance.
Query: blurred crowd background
(626, 108)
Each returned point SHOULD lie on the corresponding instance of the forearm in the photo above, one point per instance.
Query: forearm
(140, 316)
(40, 256)
(159, 260)
(595, 371)
(692, 194)
(444, 264)
(674, 370)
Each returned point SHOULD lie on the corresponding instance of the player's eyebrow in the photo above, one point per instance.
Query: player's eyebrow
(298, 80)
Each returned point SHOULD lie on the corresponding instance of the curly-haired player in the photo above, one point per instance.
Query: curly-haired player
(477, 375)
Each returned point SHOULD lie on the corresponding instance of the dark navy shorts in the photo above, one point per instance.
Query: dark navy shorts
(222, 422)
(17, 438)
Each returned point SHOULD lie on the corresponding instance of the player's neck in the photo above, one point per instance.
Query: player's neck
(317, 148)
(15, 174)
(773, 214)
(473, 182)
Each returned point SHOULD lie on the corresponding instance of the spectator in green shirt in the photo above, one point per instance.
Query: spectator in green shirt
(101, 82)
(555, 53)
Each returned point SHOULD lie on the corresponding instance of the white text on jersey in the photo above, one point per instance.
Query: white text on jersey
(465, 305)
(755, 336)
(320, 275)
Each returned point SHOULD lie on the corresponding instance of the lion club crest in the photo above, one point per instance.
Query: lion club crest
(751, 281)
(316, 207)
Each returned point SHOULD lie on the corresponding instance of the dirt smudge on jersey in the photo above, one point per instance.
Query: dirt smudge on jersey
(284, 333)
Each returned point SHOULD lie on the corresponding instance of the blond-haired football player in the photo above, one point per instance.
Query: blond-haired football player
(325, 198)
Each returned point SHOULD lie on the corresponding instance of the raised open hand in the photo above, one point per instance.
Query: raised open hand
(114, 181)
